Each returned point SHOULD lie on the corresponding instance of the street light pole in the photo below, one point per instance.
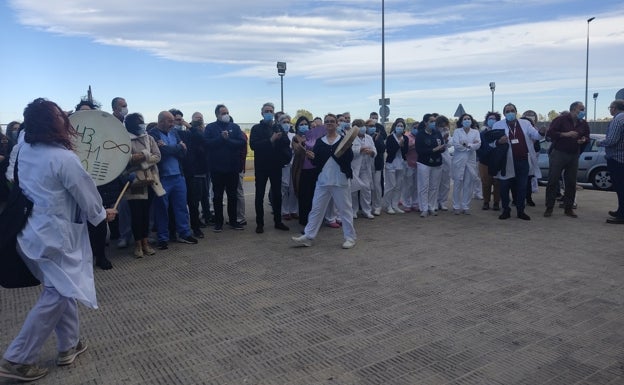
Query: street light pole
(595, 98)
(492, 88)
(281, 71)
(383, 62)
(587, 61)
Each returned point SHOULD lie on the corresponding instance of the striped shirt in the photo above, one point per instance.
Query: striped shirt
(614, 142)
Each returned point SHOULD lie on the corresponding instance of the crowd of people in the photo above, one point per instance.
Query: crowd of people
(326, 171)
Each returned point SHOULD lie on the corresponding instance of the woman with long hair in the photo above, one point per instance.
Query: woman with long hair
(54, 244)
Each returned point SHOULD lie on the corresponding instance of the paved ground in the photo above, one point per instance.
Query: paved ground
(442, 300)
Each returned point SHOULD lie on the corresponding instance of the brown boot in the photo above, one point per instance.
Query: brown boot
(570, 213)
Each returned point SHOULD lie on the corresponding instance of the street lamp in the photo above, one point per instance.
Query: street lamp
(595, 98)
(587, 61)
(281, 71)
(492, 88)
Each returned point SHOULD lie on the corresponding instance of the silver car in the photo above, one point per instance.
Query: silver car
(592, 164)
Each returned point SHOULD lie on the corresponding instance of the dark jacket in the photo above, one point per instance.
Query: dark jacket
(497, 157)
(380, 146)
(425, 143)
(269, 156)
(392, 148)
(196, 160)
(323, 151)
(224, 154)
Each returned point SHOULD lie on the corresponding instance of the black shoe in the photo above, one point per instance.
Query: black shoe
(530, 203)
(218, 228)
(506, 214)
(548, 212)
(281, 226)
(486, 206)
(616, 220)
(173, 239)
(496, 207)
(237, 226)
(570, 213)
(243, 223)
(524, 216)
(188, 240)
(202, 225)
(613, 214)
(562, 206)
(103, 263)
(162, 245)
(198, 233)
(259, 229)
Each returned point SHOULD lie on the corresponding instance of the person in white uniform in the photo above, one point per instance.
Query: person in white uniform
(396, 150)
(363, 167)
(466, 141)
(332, 184)
(54, 244)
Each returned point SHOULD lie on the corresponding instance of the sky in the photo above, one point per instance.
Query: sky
(195, 54)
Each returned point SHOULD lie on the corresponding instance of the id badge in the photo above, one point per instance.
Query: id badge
(515, 141)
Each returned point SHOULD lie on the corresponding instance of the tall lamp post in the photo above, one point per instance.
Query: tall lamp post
(492, 88)
(595, 98)
(281, 71)
(587, 61)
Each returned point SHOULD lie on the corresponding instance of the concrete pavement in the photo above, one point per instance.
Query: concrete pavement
(465, 299)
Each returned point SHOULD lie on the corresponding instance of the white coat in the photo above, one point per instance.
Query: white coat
(55, 241)
(530, 134)
(464, 155)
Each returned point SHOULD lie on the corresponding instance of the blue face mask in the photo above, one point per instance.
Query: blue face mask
(399, 130)
(344, 126)
(414, 131)
(466, 123)
(490, 122)
(362, 130)
(371, 130)
(510, 116)
(285, 127)
(303, 129)
(581, 115)
(431, 125)
(268, 116)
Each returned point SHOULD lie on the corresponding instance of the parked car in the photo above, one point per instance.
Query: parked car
(592, 164)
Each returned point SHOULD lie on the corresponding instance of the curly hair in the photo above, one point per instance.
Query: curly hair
(46, 122)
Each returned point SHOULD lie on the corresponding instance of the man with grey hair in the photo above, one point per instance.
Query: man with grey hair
(272, 151)
(569, 133)
(614, 150)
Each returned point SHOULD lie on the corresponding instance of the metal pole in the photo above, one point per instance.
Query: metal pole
(383, 61)
(492, 101)
(587, 61)
(595, 109)
(282, 86)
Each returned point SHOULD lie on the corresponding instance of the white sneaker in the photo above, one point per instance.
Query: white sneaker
(434, 212)
(399, 211)
(122, 244)
(391, 211)
(377, 212)
(424, 214)
(443, 207)
(302, 241)
(349, 243)
(369, 216)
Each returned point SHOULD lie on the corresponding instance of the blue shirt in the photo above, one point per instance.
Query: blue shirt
(614, 142)
(170, 153)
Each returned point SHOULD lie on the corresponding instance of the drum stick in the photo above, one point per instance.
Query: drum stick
(121, 195)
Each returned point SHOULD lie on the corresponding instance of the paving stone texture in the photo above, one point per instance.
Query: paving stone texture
(452, 299)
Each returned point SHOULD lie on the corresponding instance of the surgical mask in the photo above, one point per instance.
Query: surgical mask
(371, 130)
(414, 131)
(490, 122)
(225, 118)
(177, 127)
(344, 125)
(268, 116)
(363, 130)
(431, 125)
(285, 127)
(581, 115)
(303, 129)
(139, 130)
(124, 111)
(466, 123)
(399, 130)
(510, 116)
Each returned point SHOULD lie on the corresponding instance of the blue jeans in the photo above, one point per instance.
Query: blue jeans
(175, 196)
(519, 185)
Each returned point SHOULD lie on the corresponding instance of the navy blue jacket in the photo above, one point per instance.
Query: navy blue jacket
(224, 154)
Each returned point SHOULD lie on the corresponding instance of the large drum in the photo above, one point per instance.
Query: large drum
(103, 144)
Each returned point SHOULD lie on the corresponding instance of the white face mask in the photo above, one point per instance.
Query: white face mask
(124, 111)
(225, 118)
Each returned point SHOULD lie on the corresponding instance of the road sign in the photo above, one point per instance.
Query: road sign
(620, 94)
(460, 111)
(384, 111)
(387, 103)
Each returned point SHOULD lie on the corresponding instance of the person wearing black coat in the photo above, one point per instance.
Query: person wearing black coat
(396, 149)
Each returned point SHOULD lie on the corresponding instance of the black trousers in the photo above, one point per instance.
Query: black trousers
(275, 177)
(97, 238)
(227, 182)
(305, 195)
(139, 217)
